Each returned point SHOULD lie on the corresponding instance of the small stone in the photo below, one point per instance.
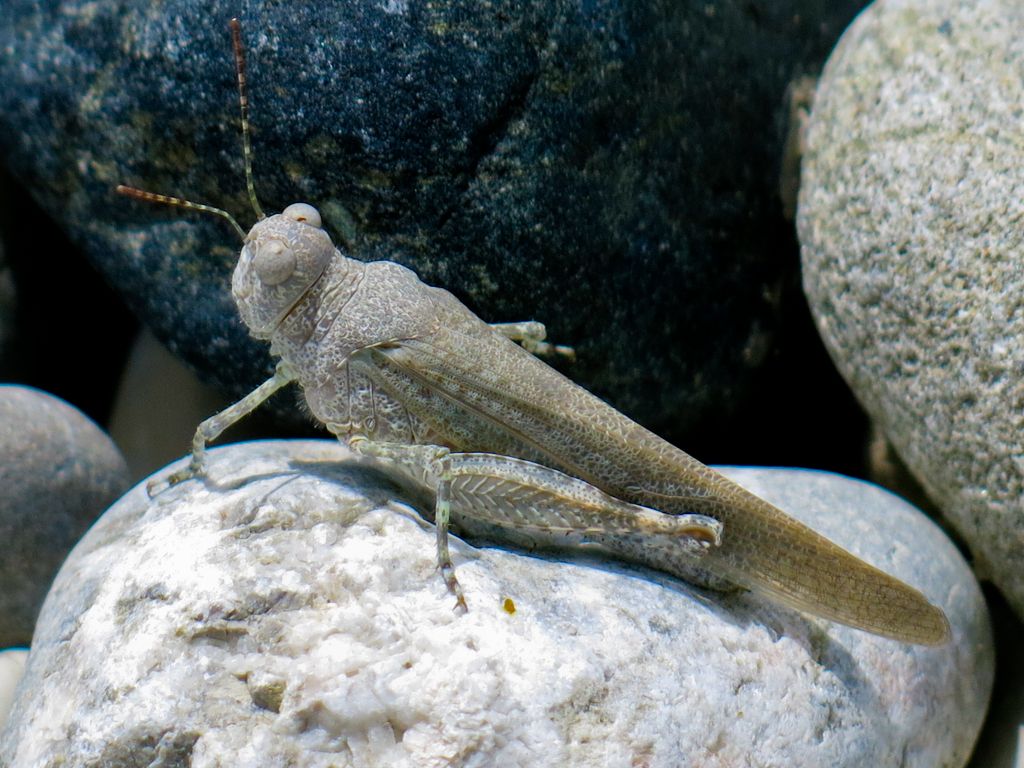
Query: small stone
(58, 472)
(159, 402)
(267, 691)
(287, 610)
(12, 667)
(910, 223)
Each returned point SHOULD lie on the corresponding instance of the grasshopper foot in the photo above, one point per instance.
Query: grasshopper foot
(544, 349)
(158, 485)
(448, 574)
(530, 334)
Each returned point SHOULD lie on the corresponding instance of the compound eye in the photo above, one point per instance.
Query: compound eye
(274, 262)
(303, 212)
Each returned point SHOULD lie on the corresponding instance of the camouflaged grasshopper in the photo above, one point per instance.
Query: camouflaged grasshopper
(404, 372)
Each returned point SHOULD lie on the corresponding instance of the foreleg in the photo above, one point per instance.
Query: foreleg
(211, 428)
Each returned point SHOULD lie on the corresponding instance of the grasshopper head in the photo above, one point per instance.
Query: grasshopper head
(283, 256)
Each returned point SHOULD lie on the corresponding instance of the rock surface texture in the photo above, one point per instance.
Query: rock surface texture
(909, 219)
(288, 613)
(609, 168)
(58, 472)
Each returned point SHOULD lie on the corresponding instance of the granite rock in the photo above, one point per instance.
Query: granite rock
(909, 223)
(58, 472)
(287, 611)
(609, 168)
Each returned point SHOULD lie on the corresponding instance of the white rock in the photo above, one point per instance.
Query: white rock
(288, 613)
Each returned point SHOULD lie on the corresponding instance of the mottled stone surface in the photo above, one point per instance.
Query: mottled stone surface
(610, 168)
(58, 472)
(288, 612)
(909, 218)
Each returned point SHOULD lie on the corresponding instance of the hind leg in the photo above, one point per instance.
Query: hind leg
(433, 463)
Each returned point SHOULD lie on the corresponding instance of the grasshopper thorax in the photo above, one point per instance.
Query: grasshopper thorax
(282, 258)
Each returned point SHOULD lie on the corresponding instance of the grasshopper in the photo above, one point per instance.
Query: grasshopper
(404, 372)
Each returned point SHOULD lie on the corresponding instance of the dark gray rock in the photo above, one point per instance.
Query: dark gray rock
(610, 168)
(58, 472)
(69, 331)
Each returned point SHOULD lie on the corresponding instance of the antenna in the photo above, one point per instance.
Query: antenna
(243, 103)
(153, 197)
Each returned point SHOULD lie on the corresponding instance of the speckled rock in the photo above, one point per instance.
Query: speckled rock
(288, 612)
(912, 252)
(610, 168)
(58, 472)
